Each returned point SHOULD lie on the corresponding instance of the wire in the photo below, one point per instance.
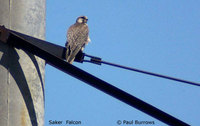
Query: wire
(97, 60)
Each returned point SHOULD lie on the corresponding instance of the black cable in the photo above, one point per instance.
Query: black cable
(97, 60)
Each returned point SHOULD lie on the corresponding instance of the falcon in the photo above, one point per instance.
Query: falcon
(77, 38)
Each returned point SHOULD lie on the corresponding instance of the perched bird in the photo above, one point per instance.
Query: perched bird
(77, 38)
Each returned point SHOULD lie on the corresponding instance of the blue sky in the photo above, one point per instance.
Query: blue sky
(157, 36)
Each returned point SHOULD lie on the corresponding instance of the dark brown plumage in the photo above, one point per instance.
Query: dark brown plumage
(77, 38)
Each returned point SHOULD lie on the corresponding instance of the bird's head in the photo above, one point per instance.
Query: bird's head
(82, 19)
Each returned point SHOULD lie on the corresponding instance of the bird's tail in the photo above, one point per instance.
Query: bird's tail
(71, 53)
(68, 54)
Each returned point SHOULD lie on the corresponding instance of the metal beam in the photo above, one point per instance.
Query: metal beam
(20, 42)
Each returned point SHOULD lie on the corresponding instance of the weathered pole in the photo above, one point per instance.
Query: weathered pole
(21, 73)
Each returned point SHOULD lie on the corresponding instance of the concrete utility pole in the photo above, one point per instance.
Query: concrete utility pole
(21, 73)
